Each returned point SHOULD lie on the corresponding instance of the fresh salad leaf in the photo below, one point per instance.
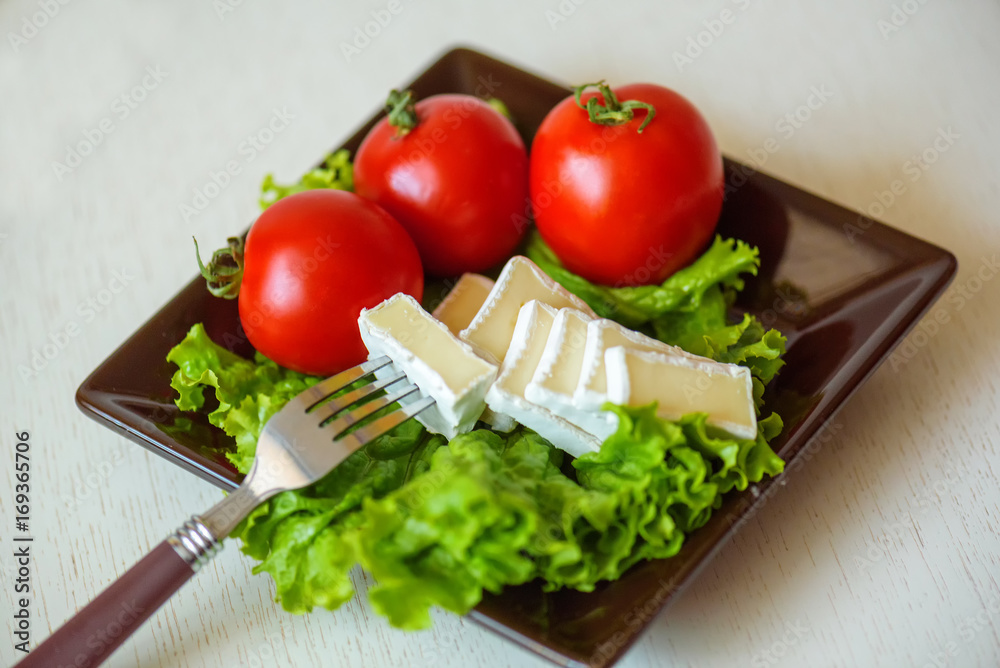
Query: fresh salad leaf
(499, 105)
(437, 523)
(248, 391)
(689, 310)
(336, 172)
(306, 539)
(719, 267)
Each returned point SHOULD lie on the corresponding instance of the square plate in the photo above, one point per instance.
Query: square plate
(843, 289)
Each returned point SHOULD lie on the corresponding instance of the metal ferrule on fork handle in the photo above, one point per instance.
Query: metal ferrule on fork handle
(194, 543)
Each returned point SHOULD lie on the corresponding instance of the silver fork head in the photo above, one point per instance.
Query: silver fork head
(305, 440)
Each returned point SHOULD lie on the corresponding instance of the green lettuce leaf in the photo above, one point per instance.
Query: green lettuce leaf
(689, 310)
(437, 524)
(719, 267)
(336, 172)
(249, 392)
(306, 539)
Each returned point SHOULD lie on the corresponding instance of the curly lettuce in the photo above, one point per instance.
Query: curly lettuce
(335, 172)
(690, 309)
(439, 523)
(684, 291)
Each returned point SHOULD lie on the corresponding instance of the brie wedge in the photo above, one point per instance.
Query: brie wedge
(499, 421)
(434, 359)
(683, 385)
(456, 312)
(592, 389)
(506, 396)
(521, 281)
(559, 368)
(463, 302)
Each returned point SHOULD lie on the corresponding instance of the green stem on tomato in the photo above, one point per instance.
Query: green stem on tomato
(224, 273)
(612, 112)
(401, 110)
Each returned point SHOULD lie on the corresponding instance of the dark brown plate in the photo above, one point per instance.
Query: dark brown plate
(844, 289)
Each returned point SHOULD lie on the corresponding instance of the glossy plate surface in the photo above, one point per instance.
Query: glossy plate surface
(844, 291)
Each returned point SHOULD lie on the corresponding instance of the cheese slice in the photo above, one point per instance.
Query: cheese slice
(521, 281)
(456, 312)
(683, 385)
(498, 421)
(463, 302)
(558, 372)
(434, 359)
(528, 342)
(592, 390)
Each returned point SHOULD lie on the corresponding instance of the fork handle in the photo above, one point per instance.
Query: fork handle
(90, 636)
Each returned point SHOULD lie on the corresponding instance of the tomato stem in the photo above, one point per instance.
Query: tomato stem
(224, 272)
(612, 112)
(401, 110)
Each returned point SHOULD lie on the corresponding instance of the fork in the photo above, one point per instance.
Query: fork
(300, 444)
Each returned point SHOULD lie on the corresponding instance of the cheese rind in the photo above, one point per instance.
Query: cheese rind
(531, 332)
(498, 421)
(559, 368)
(456, 311)
(521, 281)
(460, 305)
(591, 391)
(434, 359)
(683, 385)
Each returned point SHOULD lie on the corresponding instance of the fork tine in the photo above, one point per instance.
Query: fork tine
(329, 409)
(376, 428)
(338, 426)
(323, 389)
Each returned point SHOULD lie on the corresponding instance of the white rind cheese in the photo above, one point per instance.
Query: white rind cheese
(506, 396)
(456, 311)
(558, 372)
(683, 385)
(460, 305)
(434, 359)
(498, 421)
(592, 389)
(521, 281)
(558, 363)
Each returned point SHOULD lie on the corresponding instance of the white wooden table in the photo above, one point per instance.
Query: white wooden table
(882, 551)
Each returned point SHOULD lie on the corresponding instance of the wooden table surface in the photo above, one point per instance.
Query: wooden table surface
(882, 551)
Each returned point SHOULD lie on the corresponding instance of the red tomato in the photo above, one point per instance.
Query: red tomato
(312, 261)
(620, 207)
(457, 181)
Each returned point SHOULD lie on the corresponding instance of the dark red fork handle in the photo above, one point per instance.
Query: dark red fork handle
(90, 636)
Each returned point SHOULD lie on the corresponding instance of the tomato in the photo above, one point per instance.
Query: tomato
(620, 206)
(311, 262)
(454, 172)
